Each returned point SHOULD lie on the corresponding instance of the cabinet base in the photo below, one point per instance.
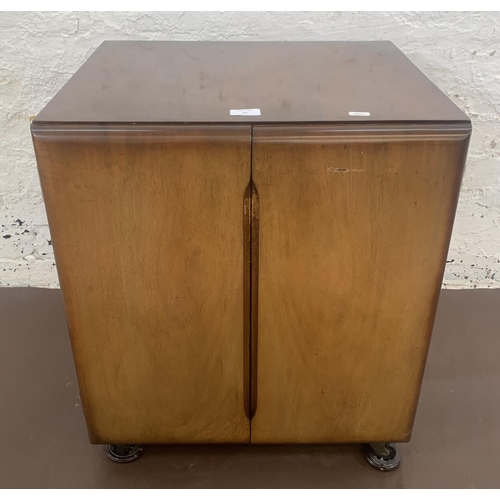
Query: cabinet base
(382, 456)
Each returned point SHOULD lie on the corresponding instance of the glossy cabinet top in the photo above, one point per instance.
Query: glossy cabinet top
(249, 82)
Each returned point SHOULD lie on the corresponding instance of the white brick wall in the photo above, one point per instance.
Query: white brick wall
(460, 52)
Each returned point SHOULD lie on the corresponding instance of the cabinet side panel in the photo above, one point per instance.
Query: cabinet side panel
(147, 230)
(354, 232)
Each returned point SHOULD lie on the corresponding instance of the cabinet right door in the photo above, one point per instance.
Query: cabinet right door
(353, 232)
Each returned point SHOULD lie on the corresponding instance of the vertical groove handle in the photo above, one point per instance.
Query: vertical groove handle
(251, 269)
(247, 301)
(254, 296)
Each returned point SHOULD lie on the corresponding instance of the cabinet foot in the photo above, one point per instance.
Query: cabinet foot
(123, 453)
(382, 456)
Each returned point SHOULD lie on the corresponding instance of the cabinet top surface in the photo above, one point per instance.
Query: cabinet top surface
(288, 82)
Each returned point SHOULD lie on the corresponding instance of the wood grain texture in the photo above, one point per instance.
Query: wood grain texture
(354, 230)
(147, 229)
(190, 81)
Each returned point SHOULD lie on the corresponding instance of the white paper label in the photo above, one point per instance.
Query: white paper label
(244, 112)
(359, 113)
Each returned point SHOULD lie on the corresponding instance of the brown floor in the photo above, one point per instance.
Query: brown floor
(455, 444)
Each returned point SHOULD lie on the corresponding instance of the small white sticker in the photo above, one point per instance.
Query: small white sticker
(244, 112)
(359, 113)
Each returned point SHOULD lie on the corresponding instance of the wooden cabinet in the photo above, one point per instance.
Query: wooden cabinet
(250, 237)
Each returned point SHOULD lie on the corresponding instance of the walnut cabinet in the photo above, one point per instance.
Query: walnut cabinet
(250, 237)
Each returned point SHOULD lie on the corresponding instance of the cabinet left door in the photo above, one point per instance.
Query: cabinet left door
(148, 231)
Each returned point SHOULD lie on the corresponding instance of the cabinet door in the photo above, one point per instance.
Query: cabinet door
(147, 226)
(354, 227)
